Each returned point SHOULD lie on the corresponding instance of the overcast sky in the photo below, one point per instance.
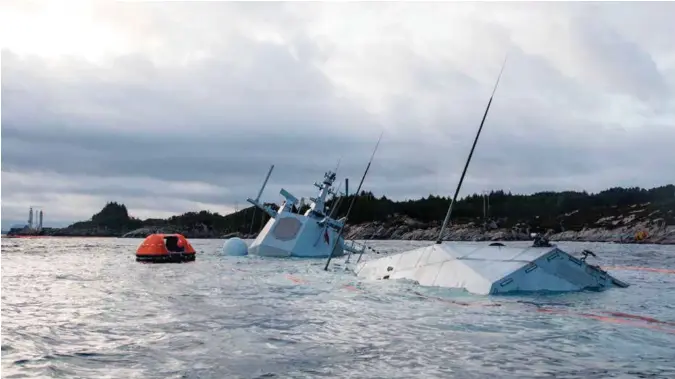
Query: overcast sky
(171, 107)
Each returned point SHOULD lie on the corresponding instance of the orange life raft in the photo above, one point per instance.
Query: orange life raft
(165, 248)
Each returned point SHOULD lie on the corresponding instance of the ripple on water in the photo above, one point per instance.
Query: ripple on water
(83, 308)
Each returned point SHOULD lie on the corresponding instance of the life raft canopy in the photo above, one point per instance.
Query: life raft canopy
(165, 248)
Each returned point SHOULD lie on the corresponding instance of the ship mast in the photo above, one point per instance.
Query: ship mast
(466, 165)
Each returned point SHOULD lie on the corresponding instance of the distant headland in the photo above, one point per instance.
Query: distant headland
(625, 215)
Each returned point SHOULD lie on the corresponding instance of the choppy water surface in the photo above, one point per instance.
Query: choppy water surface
(83, 308)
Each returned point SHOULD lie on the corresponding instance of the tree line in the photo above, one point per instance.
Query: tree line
(567, 210)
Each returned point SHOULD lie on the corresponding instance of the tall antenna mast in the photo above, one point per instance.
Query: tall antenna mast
(466, 165)
(356, 194)
(337, 167)
(257, 199)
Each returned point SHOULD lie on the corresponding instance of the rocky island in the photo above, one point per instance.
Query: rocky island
(624, 215)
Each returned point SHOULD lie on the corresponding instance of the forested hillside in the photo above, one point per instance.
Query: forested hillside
(549, 211)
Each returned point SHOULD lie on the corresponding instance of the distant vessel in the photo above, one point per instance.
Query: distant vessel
(32, 228)
(314, 234)
(492, 269)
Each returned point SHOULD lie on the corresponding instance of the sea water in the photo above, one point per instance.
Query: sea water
(84, 308)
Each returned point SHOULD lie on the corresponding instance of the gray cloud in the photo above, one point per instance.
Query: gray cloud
(211, 94)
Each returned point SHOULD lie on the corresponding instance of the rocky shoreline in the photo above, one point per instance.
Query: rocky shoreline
(403, 228)
(415, 231)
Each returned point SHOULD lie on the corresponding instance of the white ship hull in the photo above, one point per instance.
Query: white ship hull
(490, 270)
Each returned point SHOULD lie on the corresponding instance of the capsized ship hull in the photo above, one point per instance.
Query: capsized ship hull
(491, 270)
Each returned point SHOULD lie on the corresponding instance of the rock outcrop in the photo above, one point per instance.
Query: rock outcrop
(403, 228)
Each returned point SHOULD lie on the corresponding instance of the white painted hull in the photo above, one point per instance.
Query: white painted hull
(293, 235)
(490, 270)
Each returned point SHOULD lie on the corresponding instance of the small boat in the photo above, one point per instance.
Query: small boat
(165, 248)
